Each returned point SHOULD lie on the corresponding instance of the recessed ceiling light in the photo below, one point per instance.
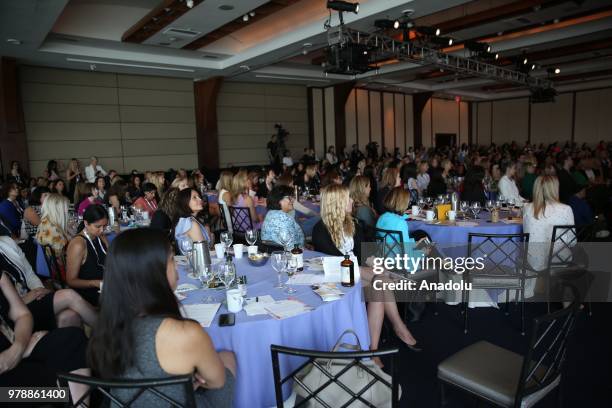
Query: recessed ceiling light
(307, 45)
(245, 67)
(13, 41)
(252, 14)
(226, 7)
(245, 18)
(557, 70)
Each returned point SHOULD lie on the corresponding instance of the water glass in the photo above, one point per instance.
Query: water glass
(464, 206)
(490, 205)
(279, 264)
(284, 238)
(251, 236)
(475, 209)
(291, 269)
(227, 238)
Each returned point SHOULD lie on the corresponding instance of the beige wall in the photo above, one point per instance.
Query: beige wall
(129, 122)
(247, 113)
(550, 122)
(444, 116)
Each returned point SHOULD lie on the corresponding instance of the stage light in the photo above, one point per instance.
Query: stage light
(343, 6)
(450, 42)
(396, 24)
(557, 71)
(438, 32)
(245, 18)
(496, 57)
(385, 23)
(533, 66)
(525, 61)
(428, 31)
(477, 47)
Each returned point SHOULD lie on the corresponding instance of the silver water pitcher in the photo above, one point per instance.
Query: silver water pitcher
(112, 215)
(201, 254)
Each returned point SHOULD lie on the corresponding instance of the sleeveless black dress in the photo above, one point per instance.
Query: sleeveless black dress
(93, 268)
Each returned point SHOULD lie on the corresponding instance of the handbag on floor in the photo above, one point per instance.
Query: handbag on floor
(355, 378)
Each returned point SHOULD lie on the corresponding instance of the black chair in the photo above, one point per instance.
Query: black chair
(314, 357)
(508, 379)
(269, 246)
(389, 243)
(149, 387)
(567, 260)
(505, 268)
(241, 221)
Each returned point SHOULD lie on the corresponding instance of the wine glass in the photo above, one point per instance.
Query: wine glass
(251, 236)
(490, 205)
(284, 238)
(291, 269)
(501, 199)
(475, 209)
(206, 276)
(428, 201)
(186, 247)
(421, 204)
(227, 238)
(511, 202)
(279, 263)
(227, 274)
(464, 206)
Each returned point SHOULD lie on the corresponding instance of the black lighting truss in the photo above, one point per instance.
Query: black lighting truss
(383, 48)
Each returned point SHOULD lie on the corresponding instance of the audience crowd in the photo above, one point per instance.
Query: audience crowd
(100, 314)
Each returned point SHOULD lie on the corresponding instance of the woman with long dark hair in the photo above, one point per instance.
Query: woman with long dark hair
(473, 185)
(186, 225)
(87, 253)
(140, 331)
(52, 171)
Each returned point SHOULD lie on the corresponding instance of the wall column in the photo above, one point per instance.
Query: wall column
(419, 101)
(13, 144)
(207, 132)
(341, 94)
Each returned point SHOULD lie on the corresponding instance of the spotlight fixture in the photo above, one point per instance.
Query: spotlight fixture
(428, 31)
(245, 18)
(496, 57)
(339, 5)
(386, 23)
(533, 66)
(525, 61)
(442, 41)
(252, 13)
(557, 70)
(478, 47)
(450, 42)
(13, 41)
(189, 3)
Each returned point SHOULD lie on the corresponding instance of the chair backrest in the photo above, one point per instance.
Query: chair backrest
(225, 218)
(149, 387)
(389, 243)
(241, 219)
(269, 246)
(544, 359)
(564, 243)
(319, 360)
(503, 254)
(55, 271)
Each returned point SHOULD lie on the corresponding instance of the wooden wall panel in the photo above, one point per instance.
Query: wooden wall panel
(399, 122)
(318, 122)
(330, 118)
(426, 120)
(510, 120)
(552, 122)
(375, 117)
(363, 119)
(409, 119)
(388, 121)
(351, 120)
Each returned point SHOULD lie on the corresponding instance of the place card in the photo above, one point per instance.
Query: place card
(256, 305)
(329, 292)
(283, 309)
(203, 313)
(306, 279)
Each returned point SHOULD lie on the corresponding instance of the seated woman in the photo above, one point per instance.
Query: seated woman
(53, 227)
(118, 195)
(181, 183)
(437, 185)
(241, 198)
(163, 216)
(88, 195)
(86, 255)
(362, 209)
(264, 188)
(280, 204)
(337, 234)
(60, 188)
(135, 188)
(507, 184)
(187, 225)
(32, 213)
(101, 186)
(224, 186)
(146, 336)
(34, 359)
(62, 308)
(10, 210)
(390, 179)
(473, 186)
(147, 202)
(540, 217)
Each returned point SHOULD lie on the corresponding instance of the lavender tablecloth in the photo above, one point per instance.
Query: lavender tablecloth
(251, 337)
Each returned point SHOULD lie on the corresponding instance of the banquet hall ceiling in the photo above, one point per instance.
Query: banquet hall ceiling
(283, 40)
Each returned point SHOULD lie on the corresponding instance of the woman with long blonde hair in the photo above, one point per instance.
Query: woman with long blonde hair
(540, 217)
(225, 195)
(337, 234)
(160, 182)
(241, 197)
(53, 226)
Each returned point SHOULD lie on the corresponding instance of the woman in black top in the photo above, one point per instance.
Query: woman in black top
(87, 254)
(166, 211)
(33, 359)
(473, 187)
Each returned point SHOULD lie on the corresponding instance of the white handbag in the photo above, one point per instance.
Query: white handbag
(355, 378)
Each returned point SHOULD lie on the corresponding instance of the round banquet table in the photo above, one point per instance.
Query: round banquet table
(452, 241)
(250, 338)
(458, 234)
